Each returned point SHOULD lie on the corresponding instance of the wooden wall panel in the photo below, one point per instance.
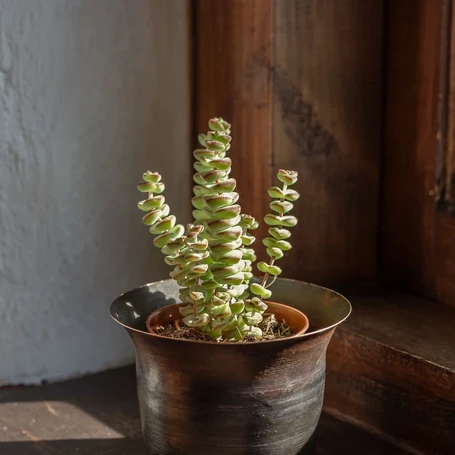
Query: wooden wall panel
(445, 258)
(327, 78)
(233, 57)
(323, 61)
(413, 93)
(445, 219)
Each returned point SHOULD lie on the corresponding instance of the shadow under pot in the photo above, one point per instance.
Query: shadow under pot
(202, 398)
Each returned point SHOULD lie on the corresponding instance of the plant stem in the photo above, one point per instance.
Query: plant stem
(266, 276)
(194, 301)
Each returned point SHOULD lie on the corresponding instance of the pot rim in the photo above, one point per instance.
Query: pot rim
(307, 334)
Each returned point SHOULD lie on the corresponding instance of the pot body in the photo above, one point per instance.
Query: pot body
(232, 398)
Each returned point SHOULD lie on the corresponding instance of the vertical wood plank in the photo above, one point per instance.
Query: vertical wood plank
(411, 135)
(327, 125)
(445, 258)
(233, 55)
(445, 221)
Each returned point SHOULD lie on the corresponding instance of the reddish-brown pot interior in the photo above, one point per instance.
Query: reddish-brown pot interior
(294, 318)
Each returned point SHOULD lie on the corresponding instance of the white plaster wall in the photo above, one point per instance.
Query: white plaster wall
(92, 93)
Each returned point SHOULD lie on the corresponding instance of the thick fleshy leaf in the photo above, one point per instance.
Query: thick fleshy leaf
(248, 239)
(288, 221)
(222, 164)
(252, 318)
(233, 280)
(220, 323)
(291, 195)
(281, 206)
(216, 125)
(231, 211)
(215, 146)
(198, 202)
(237, 307)
(216, 226)
(276, 192)
(196, 295)
(275, 253)
(273, 220)
(255, 332)
(204, 154)
(279, 233)
(229, 234)
(261, 291)
(226, 186)
(186, 310)
(287, 177)
(219, 200)
(219, 310)
(151, 217)
(210, 284)
(154, 202)
(214, 333)
(152, 177)
(196, 321)
(146, 187)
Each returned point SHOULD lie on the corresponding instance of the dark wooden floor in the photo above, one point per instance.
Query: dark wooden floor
(98, 415)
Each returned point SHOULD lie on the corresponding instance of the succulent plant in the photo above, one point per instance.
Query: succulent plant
(212, 257)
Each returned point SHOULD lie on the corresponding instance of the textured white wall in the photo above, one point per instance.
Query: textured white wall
(92, 93)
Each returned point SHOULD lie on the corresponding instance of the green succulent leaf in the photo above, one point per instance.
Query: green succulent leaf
(287, 177)
(202, 138)
(152, 177)
(261, 291)
(275, 253)
(291, 195)
(215, 146)
(186, 311)
(288, 221)
(252, 318)
(196, 295)
(196, 321)
(216, 125)
(237, 307)
(154, 202)
(146, 187)
(281, 207)
(276, 193)
(279, 233)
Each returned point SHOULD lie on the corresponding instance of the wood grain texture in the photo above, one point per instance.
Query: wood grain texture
(99, 415)
(233, 56)
(410, 144)
(391, 366)
(445, 258)
(327, 125)
(445, 221)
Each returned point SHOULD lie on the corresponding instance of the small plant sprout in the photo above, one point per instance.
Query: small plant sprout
(212, 257)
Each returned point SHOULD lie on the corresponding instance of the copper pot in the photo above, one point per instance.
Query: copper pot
(199, 398)
(169, 314)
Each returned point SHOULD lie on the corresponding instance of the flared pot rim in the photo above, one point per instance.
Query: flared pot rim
(308, 334)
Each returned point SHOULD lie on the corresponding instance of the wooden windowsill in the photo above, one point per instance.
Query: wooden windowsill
(391, 367)
(99, 415)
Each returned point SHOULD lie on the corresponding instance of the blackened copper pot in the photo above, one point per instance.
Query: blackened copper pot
(199, 398)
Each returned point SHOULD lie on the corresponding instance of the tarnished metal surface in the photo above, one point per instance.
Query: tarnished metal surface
(231, 399)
